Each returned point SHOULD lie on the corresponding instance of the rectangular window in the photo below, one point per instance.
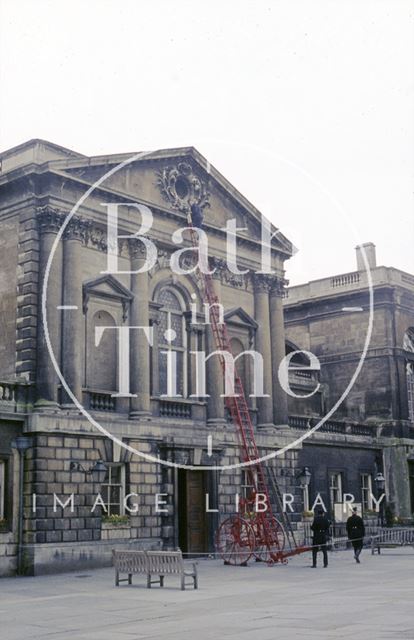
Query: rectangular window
(113, 490)
(247, 485)
(410, 390)
(335, 488)
(2, 489)
(366, 491)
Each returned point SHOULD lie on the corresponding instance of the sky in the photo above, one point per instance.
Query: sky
(306, 106)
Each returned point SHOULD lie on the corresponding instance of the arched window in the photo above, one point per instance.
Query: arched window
(172, 337)
(101, 364)
(408, 345)
(299, 359)
(408, 342)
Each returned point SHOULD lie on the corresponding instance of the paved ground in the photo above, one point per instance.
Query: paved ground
(373, 600)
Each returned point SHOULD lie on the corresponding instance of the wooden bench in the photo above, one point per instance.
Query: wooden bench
(129, 562)
(153, 563)
(392, 538)
(163, 563)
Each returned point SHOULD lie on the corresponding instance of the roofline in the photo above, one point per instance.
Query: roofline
(160, 154)
(33, 142)
(81, 160)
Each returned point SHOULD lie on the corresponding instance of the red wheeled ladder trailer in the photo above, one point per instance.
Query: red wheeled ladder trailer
(249, 533)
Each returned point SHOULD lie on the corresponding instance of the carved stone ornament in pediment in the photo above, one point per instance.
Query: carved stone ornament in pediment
(181, 187)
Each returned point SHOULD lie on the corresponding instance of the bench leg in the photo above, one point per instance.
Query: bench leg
(195, 578)
(116, 578)
(182, 582)
(129, 578)
(148, 581)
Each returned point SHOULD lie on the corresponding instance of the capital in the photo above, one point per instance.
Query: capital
(136, 249)
(262, 282)
(49, 219)
(219, 266)
(277, 287)
(78, 229)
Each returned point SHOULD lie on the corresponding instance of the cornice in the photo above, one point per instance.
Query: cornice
(121, 196)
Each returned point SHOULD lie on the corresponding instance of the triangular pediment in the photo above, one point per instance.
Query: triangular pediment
(238, 315)
(168, 180)
(106, 287)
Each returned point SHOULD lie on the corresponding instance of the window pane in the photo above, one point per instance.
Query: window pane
(162, 372)
(180, 372)
(177, 325)
(162, 327)
(169, 300)
(115, 494)
(113, 490)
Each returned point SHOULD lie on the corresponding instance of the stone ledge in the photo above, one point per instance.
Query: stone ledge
(55, 558)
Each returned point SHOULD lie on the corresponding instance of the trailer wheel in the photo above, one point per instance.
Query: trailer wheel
(235, 540)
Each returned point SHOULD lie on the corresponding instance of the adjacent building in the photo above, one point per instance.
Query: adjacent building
(365, 317)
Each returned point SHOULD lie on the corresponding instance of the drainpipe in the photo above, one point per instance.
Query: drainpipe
(21, 443)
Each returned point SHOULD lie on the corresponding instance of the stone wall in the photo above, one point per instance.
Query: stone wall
(8, 285)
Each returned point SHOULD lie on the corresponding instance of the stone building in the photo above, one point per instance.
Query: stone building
(49, 243)
(54, 237)
(372, 429)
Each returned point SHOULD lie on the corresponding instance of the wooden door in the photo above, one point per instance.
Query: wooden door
(196, 514)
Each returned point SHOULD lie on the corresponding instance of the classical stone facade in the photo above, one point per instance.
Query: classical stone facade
(54, 239)
(51, 248)
(331, 318)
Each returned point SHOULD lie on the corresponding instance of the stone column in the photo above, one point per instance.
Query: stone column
(215, 379)
(277, 332)
(49, 222)
(263, 346)
(140, 349)
(73, 339)
(192, 345)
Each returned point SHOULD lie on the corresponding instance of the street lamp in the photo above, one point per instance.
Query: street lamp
(380, 484)
(304, 479)
(97, 471)
(22, 444)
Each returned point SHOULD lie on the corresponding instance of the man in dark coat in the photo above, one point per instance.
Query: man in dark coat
(356, 531)
(197, 216)
(320, 527)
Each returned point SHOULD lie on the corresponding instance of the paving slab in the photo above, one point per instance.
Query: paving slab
(373, 600)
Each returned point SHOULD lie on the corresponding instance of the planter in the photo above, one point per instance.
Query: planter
(115, 532)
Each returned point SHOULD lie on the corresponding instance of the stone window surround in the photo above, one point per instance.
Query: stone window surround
(105, 489)
(335, 487)
(366, 491)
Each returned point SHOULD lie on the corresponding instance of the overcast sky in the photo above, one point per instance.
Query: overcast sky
(305, 106)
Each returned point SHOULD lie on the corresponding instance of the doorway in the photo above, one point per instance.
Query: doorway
(192, 520)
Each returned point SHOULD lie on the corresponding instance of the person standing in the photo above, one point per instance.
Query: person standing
(197, 215)
(356, 531)
(320, 527)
